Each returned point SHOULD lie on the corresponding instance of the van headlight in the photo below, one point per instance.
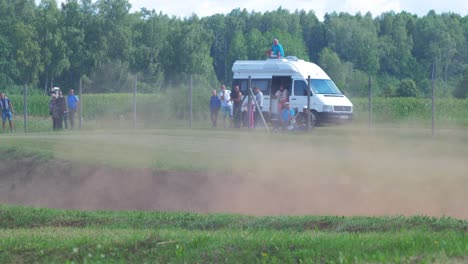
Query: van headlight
(327, 108)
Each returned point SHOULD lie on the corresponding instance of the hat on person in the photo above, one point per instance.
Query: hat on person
(286, 103)
(304, 107)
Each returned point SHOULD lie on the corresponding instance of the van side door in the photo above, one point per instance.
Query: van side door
(298, 96)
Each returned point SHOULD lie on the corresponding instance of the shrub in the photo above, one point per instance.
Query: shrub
(407, 88)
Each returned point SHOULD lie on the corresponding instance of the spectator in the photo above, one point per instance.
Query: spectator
(276, 50)
(301, 119)
(62, 109)
(226, 105)
(73, 104)
(247, 120)
(55, 110)
(287, 117)
(7, 110)
(259, 98)
(215, 105)
(65, 113)
(282, 96)
(236, 97)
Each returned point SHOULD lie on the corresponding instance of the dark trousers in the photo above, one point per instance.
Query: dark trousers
(57, 123)
(237, 115)
(214, 116)
(65, 119)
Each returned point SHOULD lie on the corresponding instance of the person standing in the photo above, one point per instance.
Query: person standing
(226, 105)
(55, 110)
(215, 105)
(65, 111)
(236, 97)
(62, 109)
(282, 95)
(259, 99)
(73, 103)
(7, 110)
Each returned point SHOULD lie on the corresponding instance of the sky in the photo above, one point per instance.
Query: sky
(185, 8)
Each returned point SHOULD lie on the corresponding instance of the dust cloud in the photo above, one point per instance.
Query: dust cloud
(350, 174)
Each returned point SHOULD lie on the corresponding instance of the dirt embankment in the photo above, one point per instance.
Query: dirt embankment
(64, 184)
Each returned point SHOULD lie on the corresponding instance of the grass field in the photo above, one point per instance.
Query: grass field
(339, 194)
(44, 235)
(99, 110)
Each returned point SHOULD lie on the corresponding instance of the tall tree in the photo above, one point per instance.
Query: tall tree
(312, 33)
(396, 45)
(53, 47)
(354, 39)
(27, 54)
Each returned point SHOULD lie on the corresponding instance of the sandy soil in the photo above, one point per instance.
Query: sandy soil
(63, 184)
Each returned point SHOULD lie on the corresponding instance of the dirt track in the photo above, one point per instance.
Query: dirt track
(61, 184)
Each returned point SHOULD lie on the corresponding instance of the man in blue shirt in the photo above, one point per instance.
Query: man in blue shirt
(73, 103)
(7, 110)
(276, 50)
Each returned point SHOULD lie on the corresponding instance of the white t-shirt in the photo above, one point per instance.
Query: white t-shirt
(227, 98)
(259, 98)
(282, 96)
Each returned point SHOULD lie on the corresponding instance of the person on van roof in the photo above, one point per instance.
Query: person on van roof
(276, 50)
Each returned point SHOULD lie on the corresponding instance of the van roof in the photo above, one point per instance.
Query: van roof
(278, 67)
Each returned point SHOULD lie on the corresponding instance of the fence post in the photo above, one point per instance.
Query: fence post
(249, 104)
(433, 99)
(25, 108)
(370, 103)
(134, 101)
(191, 101)
(80, 103)
(308, 103)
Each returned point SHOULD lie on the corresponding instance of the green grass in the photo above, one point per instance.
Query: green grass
(450, 112)
(105, 110)
(45, 235)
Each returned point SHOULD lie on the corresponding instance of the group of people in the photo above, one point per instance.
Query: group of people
(234, 107)
(63, 110)
(288, 118)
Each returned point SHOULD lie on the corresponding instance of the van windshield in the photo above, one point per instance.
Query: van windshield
(324, 87)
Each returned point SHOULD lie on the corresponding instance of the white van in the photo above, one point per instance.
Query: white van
(327, 103)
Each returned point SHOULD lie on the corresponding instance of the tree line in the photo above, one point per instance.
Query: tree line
(106, 45)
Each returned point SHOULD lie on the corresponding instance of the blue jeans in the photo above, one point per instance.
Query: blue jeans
(5, 115)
